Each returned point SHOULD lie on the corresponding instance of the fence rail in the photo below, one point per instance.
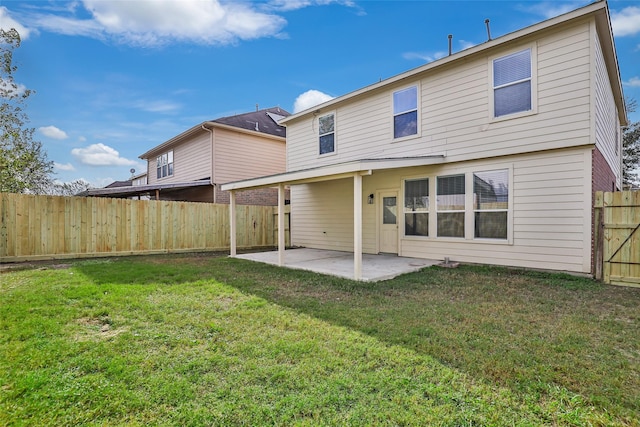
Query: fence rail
(48, 227)
(617, 237)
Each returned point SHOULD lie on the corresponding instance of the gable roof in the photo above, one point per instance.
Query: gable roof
(260, 122)
(598, 10)
(265, 121)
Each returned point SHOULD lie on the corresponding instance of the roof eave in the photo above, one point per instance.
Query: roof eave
(158, 149)
(524, 32)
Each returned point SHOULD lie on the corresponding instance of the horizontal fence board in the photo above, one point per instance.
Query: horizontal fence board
(53, 227)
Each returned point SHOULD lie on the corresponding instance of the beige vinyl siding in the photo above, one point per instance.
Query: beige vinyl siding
(607, 125)
(240, 156)
(455, 110)
(322, 216)
(191, 161)
(550, 199)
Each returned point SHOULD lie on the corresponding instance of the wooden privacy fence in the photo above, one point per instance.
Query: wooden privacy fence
(49, 227)
(617, 237)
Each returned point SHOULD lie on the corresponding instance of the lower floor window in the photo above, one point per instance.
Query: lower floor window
(491, 204)
(451, 206)
(416, 207)
(488, 205)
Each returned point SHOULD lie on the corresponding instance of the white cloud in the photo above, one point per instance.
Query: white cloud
(63, 167)
(426, 57)
(632, 82)
(626, 22)
(158, 106)
(101, 155)
(286, 5)
(464, 44)
(7, 22)
(53, 132)
(552, 9)
(160, 22)
(309, 99)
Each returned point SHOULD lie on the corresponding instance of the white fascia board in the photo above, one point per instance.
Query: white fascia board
(331, 172)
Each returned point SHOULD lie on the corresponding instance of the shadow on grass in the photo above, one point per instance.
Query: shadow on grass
(528, 331)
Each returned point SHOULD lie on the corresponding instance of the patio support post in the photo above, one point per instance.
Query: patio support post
(281, 240)
(232, 222)
(357, 226)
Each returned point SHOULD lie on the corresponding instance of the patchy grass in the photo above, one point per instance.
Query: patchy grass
(201, 340)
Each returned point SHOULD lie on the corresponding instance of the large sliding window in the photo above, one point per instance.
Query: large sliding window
(450, 204)
(491, 204)
(477, 199)
(512, 83)
(405, 112)
(416, 207)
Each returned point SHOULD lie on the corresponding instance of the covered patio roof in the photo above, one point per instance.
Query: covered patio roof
(354, 169)
(136, 190)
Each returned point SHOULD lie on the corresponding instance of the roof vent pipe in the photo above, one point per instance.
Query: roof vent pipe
(486, 21)
(450, 37)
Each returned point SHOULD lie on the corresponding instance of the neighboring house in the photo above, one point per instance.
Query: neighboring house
(140, 179)
(192, 165)
(490, 155)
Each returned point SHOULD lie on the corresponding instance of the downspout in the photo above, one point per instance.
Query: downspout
(213, 160)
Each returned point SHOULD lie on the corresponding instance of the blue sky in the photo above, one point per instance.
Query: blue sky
(116, 78)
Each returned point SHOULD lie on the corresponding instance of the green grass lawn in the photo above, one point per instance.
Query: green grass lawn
(206, 340)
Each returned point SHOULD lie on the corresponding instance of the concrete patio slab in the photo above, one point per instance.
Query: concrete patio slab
(335, 263)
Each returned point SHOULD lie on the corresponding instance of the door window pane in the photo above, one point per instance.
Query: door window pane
(389, 210)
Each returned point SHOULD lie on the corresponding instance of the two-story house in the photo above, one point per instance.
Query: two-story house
(192, 165)
(489, 155)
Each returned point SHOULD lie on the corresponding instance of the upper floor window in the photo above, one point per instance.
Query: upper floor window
(327, 133)
(512, 83)
(405, 112)
(164, 165)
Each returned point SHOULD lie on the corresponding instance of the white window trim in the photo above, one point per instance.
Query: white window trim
(469, 211)
(445, 211)
(418, 110)
(335, 134)
(534, 84)
(173, 171)
(401, 222)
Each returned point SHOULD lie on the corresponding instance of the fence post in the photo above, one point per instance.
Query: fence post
(598, 234)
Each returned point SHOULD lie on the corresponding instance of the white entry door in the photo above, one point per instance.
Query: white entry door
(388, 221)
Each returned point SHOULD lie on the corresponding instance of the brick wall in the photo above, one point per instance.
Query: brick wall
(602, 179)
(259, 197)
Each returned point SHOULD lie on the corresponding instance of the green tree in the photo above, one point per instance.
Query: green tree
(24, 167)
(631, 149)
